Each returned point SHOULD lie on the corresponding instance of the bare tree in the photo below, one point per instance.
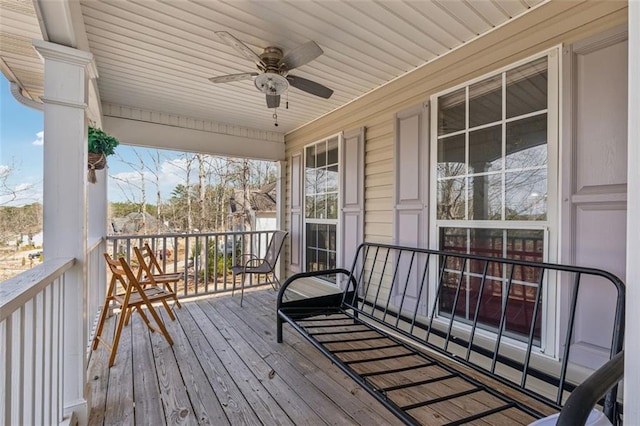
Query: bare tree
(9, 193)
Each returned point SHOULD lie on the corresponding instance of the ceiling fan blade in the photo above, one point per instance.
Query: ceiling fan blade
(310, 86)
(273, 101)
(240, 47)
(301, 55)
(233, 77)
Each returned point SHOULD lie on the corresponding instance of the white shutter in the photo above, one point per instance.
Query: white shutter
(411, 184)
(295, 213)
(352, 195)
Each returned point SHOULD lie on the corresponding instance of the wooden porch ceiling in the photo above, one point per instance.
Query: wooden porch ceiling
(157, 56)
(224, 368)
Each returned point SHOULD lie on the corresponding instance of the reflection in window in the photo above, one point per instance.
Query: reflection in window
(501, 166)
(485, 101)
(451, 112)
(321, 246)
(485, 197)
(492, 178)
(503, 289)
(451, 201)
(527, 88)
(321, 205)
(321, 180)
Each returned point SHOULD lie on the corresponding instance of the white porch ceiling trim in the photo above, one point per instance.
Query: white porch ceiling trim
(152, 129)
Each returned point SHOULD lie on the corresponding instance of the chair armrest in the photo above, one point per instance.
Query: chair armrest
(583, 398)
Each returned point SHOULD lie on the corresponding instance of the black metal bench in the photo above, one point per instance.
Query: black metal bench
(475, 353)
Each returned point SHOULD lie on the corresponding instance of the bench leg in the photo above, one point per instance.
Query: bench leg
(279, 329)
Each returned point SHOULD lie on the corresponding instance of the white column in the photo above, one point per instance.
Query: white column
(66, 74)
(632, 341)
(281, 211)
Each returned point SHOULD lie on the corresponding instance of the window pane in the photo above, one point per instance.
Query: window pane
(451, 199)
(321, 180)
(332, 206)
(321, 154)
(312, 235)
(526, 245)
(485, 150)
(310, 177)
(526, 195)
(486, 242)
(310, 157)
(527, 142)
(332, 153)
(451, 156)
(527, 88)
(453, 239)
(451, 112)
(321, 206)
(485, 101)
(310, 206)
(485, 197)
(332, 178)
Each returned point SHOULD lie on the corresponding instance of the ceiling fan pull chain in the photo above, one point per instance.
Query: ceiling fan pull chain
(275, 117)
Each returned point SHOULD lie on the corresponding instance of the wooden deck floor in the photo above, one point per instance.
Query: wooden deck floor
(224, 368)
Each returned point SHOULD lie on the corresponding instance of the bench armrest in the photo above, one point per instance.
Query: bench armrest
(297, 276)
(583, 398)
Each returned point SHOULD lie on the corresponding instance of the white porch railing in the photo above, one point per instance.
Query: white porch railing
(204, 259)
(96, 285)
(31, 345)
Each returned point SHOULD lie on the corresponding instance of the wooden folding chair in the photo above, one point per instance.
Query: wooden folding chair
(131, 296)
(151, 273)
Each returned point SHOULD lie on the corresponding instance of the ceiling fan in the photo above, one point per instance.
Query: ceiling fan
(274, 66)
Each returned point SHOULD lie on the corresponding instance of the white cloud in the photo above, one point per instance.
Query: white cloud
(21, 194)
(127, 176)
(21, 187)
(39, 139)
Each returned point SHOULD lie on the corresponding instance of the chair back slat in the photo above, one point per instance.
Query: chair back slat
(275, 246)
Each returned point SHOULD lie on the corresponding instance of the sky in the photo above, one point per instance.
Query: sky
(21, 156)
(20, 147)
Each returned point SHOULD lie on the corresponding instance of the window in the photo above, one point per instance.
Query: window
(321, 204)
(493, 143)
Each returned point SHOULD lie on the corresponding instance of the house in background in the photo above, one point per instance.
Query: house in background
(493, 127)
(255, 213)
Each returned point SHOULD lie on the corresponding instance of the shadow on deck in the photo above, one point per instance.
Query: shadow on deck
(224, 368)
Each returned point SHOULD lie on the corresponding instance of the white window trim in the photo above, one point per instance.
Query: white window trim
(550, 344)
(340, 136)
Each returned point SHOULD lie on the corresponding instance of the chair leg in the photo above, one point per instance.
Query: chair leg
(103, 317)
(168, 308)
(242, 289)
(144, 318)
(116, 338)
(157, 318)
(233, 283)
(175, 296)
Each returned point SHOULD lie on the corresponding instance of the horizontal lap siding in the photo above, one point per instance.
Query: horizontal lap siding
(547, 26)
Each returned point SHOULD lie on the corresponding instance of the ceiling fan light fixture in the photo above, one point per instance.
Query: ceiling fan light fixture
(271, 84)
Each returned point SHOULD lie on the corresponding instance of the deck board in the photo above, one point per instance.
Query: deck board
(148, 408)
(227, 368)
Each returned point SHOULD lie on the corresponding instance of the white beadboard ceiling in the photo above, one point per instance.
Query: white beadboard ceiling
(158, 55)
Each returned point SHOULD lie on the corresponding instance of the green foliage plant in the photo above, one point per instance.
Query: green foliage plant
(101, 143)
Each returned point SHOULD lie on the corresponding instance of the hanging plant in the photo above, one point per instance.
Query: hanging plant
(100, 146)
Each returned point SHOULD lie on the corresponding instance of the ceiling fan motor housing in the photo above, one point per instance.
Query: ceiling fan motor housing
(271, 83)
